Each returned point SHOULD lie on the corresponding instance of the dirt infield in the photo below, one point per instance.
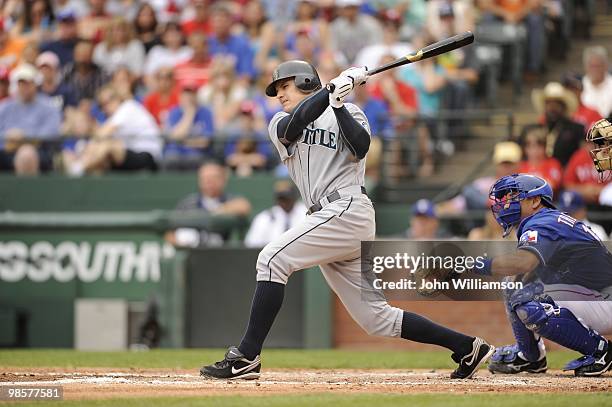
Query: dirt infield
(104, 383)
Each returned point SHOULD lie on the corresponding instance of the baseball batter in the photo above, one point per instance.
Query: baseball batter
(323, 142)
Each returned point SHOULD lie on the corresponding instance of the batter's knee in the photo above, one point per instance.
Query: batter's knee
(272, 265)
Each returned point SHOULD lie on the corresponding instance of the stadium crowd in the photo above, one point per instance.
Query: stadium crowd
(89, 86)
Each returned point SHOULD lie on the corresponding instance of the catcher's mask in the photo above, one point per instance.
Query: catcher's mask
(508, 192)
(601, 135)
(304, 75)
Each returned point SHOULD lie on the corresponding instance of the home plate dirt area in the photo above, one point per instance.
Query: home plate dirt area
(96, 383)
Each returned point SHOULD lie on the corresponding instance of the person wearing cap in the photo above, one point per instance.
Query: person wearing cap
(29, 115)
(584, 115)
(62, 94)
(189, 129)
(461, 11)
(572, 203)
(557, 105)
(67, 38)
(424, 223)
(247, 147)
(506, 158)
(269, 224)
(353, 30)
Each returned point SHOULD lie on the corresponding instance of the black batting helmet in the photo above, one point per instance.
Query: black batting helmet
(305, 76)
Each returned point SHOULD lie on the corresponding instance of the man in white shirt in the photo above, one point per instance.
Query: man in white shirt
(274, 221)
(597, 83)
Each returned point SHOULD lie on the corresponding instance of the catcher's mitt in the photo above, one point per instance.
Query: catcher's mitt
(435, 276)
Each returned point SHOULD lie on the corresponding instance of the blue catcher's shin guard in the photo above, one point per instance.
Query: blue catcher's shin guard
(559, 325)
(526, 340)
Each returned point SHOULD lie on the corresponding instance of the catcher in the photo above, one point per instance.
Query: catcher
(570, 300)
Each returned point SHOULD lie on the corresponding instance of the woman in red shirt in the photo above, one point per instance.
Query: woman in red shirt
(536, 161)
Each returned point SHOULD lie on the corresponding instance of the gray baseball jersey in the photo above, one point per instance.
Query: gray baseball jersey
(320, 163)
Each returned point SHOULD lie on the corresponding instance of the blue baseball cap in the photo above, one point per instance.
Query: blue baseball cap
(570, 201)
(423, 207)
(66, 16)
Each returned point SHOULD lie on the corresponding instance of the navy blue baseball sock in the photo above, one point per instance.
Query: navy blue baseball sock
(267, 301)
(420, 329)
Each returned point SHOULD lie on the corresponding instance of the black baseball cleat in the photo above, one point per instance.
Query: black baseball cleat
(469, 364)
(508, 360)
(234, 366)
(593, 365)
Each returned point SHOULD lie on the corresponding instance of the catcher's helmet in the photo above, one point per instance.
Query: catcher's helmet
(601, 134)
(509, 191)
(305, 76)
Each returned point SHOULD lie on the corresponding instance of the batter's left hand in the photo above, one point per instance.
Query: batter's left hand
(358, 75)
(342, 86)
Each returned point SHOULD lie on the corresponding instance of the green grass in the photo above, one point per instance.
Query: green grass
(272, 358)
(353, 400)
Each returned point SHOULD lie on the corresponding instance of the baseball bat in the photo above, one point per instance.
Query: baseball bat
(432, 50)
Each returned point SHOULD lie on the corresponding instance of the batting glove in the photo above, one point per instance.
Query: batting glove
(358, 75)
(342, 86)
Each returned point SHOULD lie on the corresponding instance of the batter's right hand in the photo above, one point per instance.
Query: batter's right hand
(342, 86)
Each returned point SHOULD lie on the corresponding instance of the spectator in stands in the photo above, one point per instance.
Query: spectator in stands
(30, 115)
(119, 48)
(527, 12)
(352, 30)
(61, 94)
(307, 23)
(390, 44)
(584, 115)
(92, 26)
(4, 83)
(557, 105)
(267, 105)
(197, 68)
(411, 12)
(224, 93)
(11, 48)
(190, 128)
(597, 83)
(83, 74)
(170, 52)
(429, 79)
(265, 39)
(145, 26)
(77, 128)
(536, 162)
(281, 12)
(165, 95)
(247, 148)
(200, 22)
(572, 203)
(30, 53)
(128, 140)
(581, 176)
(212, 199)
(462, 12)
(124, 82)
(400, 97)
(224, 42)
(287, 212)
(78, 8)
(36, 21)
(506, 158)
(491, 230)
(66, 40)
(424, 223)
